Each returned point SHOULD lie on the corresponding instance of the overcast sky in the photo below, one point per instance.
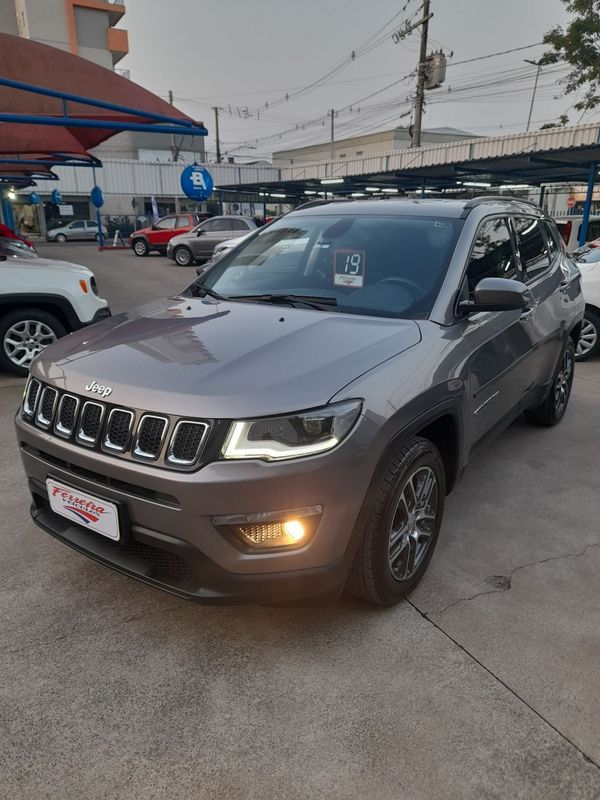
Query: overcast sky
(240, 55)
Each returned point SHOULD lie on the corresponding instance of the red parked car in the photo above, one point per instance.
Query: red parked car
(157, 236)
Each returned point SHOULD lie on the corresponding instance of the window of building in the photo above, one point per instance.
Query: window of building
(342, 155)
(532, 245)
(359, 152)
(492, 255)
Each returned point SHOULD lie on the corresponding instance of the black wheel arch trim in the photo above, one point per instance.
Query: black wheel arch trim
(437, 412)
(52, 304)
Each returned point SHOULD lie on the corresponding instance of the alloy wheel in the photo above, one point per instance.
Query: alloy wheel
(25, 339)
(587, 338)
(413, 523)
(183, 257)
(564, 379)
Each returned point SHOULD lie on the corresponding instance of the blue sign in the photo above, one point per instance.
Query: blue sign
(55, 197)
(34, 198)
(97, 197)
(196, 182)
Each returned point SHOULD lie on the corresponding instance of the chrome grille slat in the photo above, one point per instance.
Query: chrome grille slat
(187, 442)
(46, 407)
(90, 423)
(118, 430)
(149, 437)
(159, 440)
(30, 397)
(66, 416)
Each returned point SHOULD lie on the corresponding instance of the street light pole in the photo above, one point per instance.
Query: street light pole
(537, 64)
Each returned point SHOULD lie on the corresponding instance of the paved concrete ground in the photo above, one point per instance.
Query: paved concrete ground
(485, 685)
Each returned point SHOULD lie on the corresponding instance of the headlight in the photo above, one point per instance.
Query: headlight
(293, 436)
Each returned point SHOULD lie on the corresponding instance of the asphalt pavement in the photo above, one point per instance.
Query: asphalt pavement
(484, 685)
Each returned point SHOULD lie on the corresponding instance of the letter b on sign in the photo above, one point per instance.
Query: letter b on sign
(196, 182)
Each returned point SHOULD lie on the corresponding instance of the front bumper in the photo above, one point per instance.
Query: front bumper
(169, 540)
(99, 315)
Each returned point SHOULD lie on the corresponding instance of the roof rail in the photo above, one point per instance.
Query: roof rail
(496, 198)
(323, 202)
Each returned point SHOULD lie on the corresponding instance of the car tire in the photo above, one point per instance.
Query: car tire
(140, 247)
(60, 237)
(553, 408)
(183, 257)
(21, 326)
(395, 533)
(588, 345)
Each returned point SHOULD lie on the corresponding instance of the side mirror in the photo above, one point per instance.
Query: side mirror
(153, 227)
(200, 232)
(497, 294)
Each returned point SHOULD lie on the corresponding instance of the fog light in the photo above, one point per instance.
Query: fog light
(272, 529)
(294, 529)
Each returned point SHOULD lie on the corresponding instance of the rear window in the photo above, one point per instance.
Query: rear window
(390, 266)
(533, 247)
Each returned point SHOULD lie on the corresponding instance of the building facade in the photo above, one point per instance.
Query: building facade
(368, 144)
(83, 27)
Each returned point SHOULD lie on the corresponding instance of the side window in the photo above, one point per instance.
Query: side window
(209, 225)
(183, 222)
(239, 225)
(77, 224)
(91, 224)
(222, 225)
(493, 255)
(166, 224)
(532, 247)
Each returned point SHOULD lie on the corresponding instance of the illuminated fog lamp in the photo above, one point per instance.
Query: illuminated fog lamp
(271, 530)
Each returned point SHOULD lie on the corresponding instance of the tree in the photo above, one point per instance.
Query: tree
(579, 46)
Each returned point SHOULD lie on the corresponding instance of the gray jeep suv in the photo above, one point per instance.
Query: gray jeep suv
(292, 422)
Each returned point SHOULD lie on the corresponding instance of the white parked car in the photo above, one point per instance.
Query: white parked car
(589, 341)
(42, 299)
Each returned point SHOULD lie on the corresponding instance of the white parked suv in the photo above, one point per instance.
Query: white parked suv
(589, 340)
(41, 300)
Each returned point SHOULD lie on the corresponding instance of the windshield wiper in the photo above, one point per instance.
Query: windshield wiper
(305, 299)
(203, 291)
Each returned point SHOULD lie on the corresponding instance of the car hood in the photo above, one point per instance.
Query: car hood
(199, 357)
(44, 264)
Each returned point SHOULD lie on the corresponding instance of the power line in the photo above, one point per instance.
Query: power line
(493, 55)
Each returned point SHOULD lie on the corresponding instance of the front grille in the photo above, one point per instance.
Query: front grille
(127, 433)
(46, 407)
(118, 429)
(89, 423)
(66, 415)
(187, 442)
(150, 435)
(31, 395)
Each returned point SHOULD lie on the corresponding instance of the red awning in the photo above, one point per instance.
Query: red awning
(38, 64)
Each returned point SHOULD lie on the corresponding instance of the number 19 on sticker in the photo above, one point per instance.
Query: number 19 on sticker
(349, 268)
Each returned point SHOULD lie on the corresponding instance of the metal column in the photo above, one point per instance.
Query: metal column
(588, 204)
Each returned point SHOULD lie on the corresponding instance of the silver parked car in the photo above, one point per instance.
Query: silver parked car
(77, 229)
(199, 243)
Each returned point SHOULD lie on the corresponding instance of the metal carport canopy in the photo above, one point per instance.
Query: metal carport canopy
(553, 155)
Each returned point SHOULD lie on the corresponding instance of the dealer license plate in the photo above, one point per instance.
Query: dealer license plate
(92, 513)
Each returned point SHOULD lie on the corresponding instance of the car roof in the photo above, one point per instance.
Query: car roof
(455, 209)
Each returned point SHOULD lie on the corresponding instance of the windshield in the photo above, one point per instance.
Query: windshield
(377, 265)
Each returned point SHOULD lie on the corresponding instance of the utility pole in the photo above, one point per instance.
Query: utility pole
(537, 64)
(174, 154)
(332, 112)
(420, 97)
(216, 110)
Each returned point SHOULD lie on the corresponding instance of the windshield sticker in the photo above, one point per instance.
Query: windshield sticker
(349, 268)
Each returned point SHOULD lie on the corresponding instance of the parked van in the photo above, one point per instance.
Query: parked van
(569, 229)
